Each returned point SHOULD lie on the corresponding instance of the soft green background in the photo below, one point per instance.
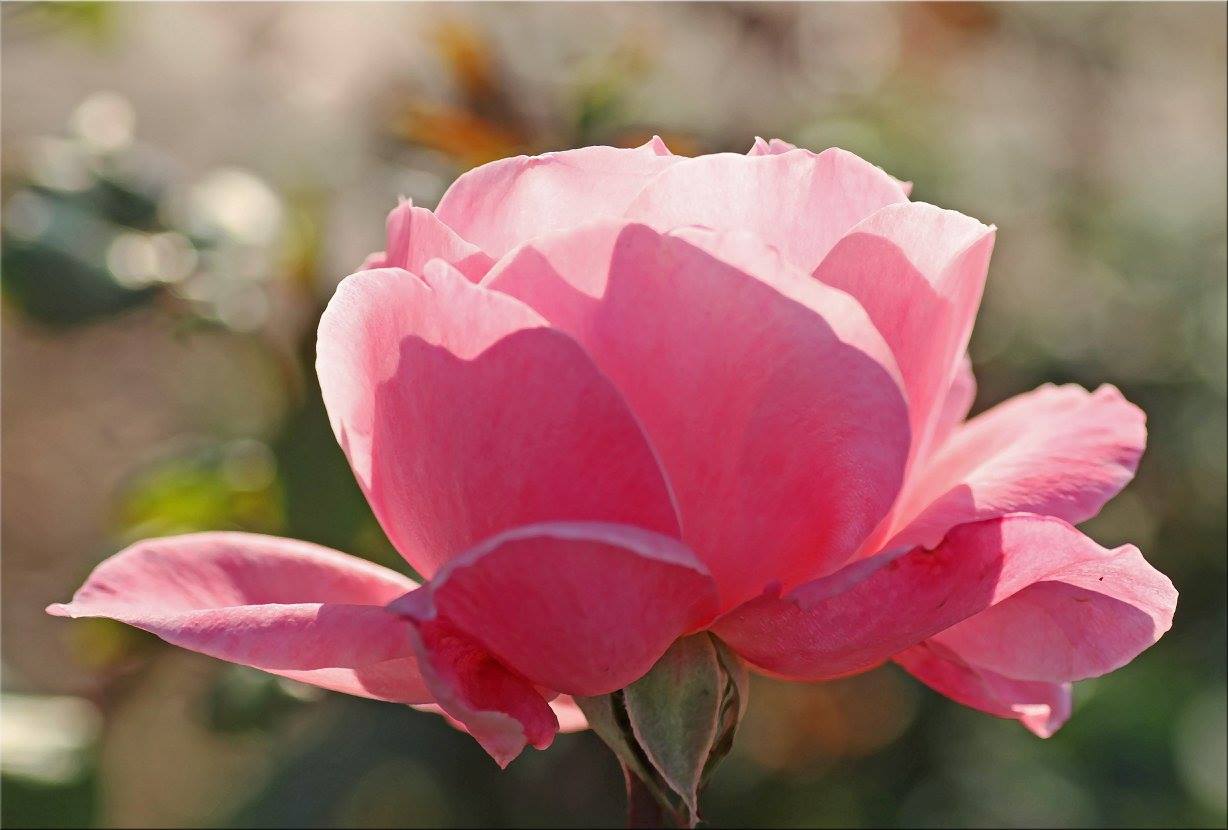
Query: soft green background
(156, 384)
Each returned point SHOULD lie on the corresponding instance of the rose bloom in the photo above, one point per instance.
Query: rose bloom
(604, 398)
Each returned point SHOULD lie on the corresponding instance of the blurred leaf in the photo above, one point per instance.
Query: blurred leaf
(223, 486)
(244, 699)
(102, 644)
(60, 276)
(93, 20)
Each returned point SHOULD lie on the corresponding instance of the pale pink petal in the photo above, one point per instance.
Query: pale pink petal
(773, 147)
(499, 205)
(1058, 451)
(396, 681)
(860, 616)
(796, 201)
(378, 259)
(287, 607)
(416, 236)
(919, 271)
(783, 435)
(776, 146)
(1092, 620)
(569, 716)
(580, 607)
(571, 719)
(462, 416)
(955, 406)
(1041, 707)
(751, 255)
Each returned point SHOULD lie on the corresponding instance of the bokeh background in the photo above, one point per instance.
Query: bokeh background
(184, 185)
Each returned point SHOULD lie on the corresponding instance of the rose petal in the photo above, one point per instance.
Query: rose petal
(395, 681)
(501, 709)
(919, 272)
(796, 201)
(287, 607)
(571, 719)
(569, 716)
(1058, 451)
(1041, 707)
(416, 236)
(774, 147)
(858, 617)
(581, 607)
(463, 416)
(1092, 620)
(784, 437)
(956, 404)
(499, 205)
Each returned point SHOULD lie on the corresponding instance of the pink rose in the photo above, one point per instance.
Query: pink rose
(603, 398)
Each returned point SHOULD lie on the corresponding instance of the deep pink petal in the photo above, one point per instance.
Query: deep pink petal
(798, 202)
(783, 434)
(581, 607)
(416, 236)
(919, 272)
(1058, 451)
(860, 616)
(501, 709)
(287, 607)
(463, 416)
(1041, 707)
(499, 205)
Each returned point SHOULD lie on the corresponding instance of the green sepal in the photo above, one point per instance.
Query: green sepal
(671, 727)
(607, 716)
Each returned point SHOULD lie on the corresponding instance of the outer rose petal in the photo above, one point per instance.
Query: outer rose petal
(463, 416)
(499, 205)
(919, 271)
(571, 719)
(773, 147)
(581, 607)
(1058, 451)
(955, 406)
(287, 607)
(416, 236)
(1094, 619)
(1041, 707)
(858, 617)
(501, 709)
(784, 438)
(377, 259)
(798, 202)
(569, 716)
(776, 146)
